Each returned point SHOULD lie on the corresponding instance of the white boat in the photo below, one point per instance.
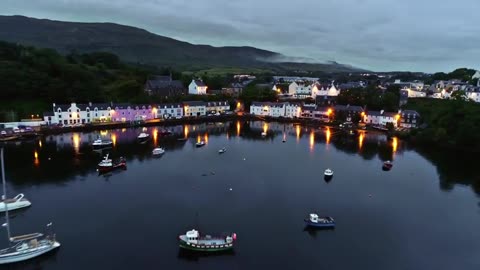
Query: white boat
(143, 136)
(17, 202)
(223, 150)
(328, 173)
(99, 143)
(27, 246)
(264, 134)
(106, 162)
(158, 151)
(200, 144)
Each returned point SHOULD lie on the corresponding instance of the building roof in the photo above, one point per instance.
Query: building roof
(374, 113)
(199, 83)
(170, 105)
(163, 78)
(412, 112)
(195, 103)
(48, 114)
(217, 103)
(121, 106)
(348, 108)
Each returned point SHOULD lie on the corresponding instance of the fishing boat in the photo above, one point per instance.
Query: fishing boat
(158, 151)
(387, 165)
(15, 203)
(99, 143)
(223, 150)
(313, 220)
(193, 241)
(27, 246)
(143, 136)
(200, 144)
(107, 164)
(264, 134)
(328, 173)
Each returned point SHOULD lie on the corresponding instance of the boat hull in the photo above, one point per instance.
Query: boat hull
(104, 169)
(205, 248)
(23, 256)
(319, 225)
(14, 205)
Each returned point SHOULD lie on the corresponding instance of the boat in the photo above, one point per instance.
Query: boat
(99, 143)
(143, 136)
(192, 240)
(107, 165)
(200, 144)
(158, 151)
(223, 150)
(387, 165)
(27, 246)
(313, 220)
(328, 173)
(15, 203)
(182, 139)
(264, 134)
(284, 140)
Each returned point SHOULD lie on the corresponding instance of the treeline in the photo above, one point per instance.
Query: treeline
(451, 123)
(372, 97)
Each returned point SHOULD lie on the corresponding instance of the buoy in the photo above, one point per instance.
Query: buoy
(244, 159)
(231, 189)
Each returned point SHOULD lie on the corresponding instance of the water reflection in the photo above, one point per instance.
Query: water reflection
(114, 139)
(361, 136)
(238, 128)
(312, 140)
(36, 161)
(297, 132)
(394, 144)
(328, 135)
(40, 143)
(186, 130)
(155, 137)
(76, 142)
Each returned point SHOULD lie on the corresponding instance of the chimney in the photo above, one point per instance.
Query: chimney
(89, 104)
(381, 112)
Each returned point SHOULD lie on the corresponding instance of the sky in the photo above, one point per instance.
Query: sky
(379, 35)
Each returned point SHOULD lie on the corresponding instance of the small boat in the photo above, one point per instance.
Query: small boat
(264, 134)
(284, 140)
(200, 144)
(314, 220)
(107, 165)
(27, 246)
(328, 173)
(387, 165)
(143, 136)
(99, 143)
(158, 151)
(17, 202)
(193, 241)
(223, 150)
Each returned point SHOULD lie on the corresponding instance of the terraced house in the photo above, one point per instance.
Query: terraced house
(72, 114)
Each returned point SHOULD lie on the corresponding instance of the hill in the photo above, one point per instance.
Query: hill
(136, 45)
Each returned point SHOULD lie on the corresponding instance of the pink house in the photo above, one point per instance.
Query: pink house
(128, 112)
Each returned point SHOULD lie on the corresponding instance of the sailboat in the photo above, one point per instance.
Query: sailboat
(28, 246)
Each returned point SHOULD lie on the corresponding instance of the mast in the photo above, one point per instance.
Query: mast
(4, 197)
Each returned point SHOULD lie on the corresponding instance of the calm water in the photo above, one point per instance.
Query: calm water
(423, 214)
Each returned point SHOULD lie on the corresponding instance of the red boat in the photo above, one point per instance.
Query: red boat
(107, 165)
(387, 165)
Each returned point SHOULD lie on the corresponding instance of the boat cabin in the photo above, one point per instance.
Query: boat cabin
(192, 236)
(314, 218)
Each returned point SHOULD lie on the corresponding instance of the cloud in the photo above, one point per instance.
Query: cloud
(418, 35)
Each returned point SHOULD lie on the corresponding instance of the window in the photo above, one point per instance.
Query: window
(70, 115)
(96, 114)
(78, 110)
(123, 113)
(65, 122)
(88, 114)
(88, 109)
(59, 116)
(69, 110)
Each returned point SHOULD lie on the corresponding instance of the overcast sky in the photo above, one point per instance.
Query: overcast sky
(381, 35)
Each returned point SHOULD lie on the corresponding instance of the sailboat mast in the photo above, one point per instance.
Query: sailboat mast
(4, 197)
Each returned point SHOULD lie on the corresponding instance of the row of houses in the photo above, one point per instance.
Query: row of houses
(404, 119)
(303, 89)
(73, 113)
(165, 86)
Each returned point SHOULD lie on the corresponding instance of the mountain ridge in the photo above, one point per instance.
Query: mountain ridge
(137, 45)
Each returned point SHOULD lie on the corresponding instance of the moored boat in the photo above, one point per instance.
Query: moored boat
(264, 134)
(200, 144)
(193, 241)
(17, 202)
(387, 165)
(143, 136)
(223, 150)
(107, 165)
(328, 173)
(27, 246)
(158, 151)
(314, 220)
(99, 143)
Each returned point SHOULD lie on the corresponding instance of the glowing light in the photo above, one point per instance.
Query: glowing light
(394, 144)
(328, 134)
(76, 142)
(239, 105)
(397, 117)
(40, 143)
(194, 127)
(154, 111)
(238, 128)
(199, 138)
(297, 131)
(205, 138)
(104, 132)
(312, 140)
(124, 130)
(360, 140)
(329, 111)
(265, 127)
(144, 129)
(35, 155)
(36, 161)
(155, 136)
(114, 139)
(186, 130)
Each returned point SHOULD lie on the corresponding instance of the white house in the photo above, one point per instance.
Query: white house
(170, 110)
(197, 87)
(260, 108)
(414, 92)
(300, 89)
(381, 118)
(293, 110)
(473, 95)
(194, 108)
(324, 91)
(71, 114)
(477, 76)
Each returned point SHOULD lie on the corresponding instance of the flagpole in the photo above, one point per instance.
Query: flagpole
(4, 197)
